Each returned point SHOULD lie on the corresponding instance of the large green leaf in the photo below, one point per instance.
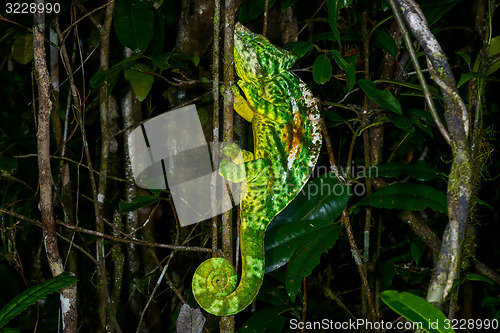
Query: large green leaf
(385, 41)
(19, 303)
(267, 320)
(382, 97)
(273, 290)
(310, 213)
(137, 203)
(300, 48)
(477, 277)
(334, 6)
(141, 82)
(307, 257)
(420, 170)
(134, 23)
(407, 196)
(388, 101)
(416, 310)
(22, 49)
(322, 198)
(111, 75)
(348, 67)
(322, 69)
(435, 9)
(287, 3)
(251, 9)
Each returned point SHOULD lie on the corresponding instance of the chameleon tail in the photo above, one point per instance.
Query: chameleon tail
(215, 280)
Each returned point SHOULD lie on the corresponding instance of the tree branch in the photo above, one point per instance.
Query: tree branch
(459, 186)
(68, 295)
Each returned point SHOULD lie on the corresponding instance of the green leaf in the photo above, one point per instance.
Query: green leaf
(466, 57)
(322, 69)
(490, 301)
(494, 51)
(141, 82)
(300, 48)
(7, 34)
(417, 249)
(402, 122)
(349, 68)
(433, 90)
(466, 77)
(387, 100)
(112, 74)
(22, 49)
(332, 119)
(266, 320)
(287, 3)
(350, 76)
(307, 257)
(484, 203)
(8, 164)
(98, 78)
(311, 212)
(416, 310)
(134, 24)
(481, 278)
(28, 297)
(273, 291)
(420, 170)
(334, 7)
(369, 88)
(137, 203)
(435, 9)
(251, 9)
(382, 97)
(407, 196)
(339, 59)
(384, 40)
(333, 17)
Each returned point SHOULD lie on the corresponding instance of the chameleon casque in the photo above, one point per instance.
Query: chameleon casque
(287, 140)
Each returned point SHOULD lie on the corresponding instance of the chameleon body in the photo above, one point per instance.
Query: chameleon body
(287, 140)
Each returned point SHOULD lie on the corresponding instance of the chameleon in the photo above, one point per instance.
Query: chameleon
(286, 142)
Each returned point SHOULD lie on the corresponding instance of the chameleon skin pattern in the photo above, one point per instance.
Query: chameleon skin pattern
(287, 141)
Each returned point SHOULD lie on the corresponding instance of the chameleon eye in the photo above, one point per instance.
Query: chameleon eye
(259, 44)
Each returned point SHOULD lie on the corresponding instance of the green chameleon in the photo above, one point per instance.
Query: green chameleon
(287, 140)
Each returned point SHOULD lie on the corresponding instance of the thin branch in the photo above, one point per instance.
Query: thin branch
(84, 16)
(310, 20)
(420, 75)
(216, 112)
(460, 185)
(68, 294)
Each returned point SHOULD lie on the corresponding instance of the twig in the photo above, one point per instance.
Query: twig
(153, 292)
(266, 13)
(359, 263)
(309, 21)
(420, 75)
(84, 16)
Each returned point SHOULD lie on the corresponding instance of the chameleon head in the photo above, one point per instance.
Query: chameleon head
(256, 58)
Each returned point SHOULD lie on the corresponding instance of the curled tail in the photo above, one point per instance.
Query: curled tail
(215, 280)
